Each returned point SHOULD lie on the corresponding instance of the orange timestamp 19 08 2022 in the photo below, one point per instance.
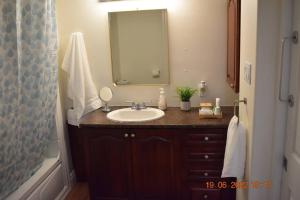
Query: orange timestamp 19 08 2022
(239, 184)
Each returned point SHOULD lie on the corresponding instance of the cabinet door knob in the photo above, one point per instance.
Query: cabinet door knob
(206, 156)
(205, 196)
(126, 135)
(205, 174)
(232, 85)
(132, 135)
(206, 138)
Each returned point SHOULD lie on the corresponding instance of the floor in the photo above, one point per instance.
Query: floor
(79, 192)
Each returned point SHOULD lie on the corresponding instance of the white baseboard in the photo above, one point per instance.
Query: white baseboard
(63, 194)
(72, 178)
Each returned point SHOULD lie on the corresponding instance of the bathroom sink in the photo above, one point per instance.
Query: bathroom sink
(131, 115)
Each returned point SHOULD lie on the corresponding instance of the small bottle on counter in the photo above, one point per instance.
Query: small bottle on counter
(217, 110)
(162, 102)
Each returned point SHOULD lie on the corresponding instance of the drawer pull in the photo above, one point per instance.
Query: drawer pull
(126, 135)
(206, 156)
(205, 174)
(206, 138)
(205, 196)
(132, 135)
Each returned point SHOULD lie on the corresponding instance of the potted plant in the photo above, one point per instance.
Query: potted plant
(185, 94)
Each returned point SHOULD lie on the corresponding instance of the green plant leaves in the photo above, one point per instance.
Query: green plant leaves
(185, 93)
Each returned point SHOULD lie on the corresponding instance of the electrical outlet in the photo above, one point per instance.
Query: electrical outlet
(247, 73)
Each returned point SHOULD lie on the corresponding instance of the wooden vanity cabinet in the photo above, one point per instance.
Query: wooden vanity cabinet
(131, 164)
(155, 163)
(233, 43)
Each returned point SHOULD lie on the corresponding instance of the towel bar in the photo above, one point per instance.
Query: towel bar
(236, 102)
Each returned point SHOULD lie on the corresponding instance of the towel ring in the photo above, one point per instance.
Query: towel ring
(235, 104)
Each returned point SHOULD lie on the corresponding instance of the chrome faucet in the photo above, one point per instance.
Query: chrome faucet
(137, 105)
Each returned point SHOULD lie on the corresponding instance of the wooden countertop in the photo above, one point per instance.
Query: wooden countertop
(174, 118)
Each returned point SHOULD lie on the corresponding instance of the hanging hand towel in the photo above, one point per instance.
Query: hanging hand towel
(81, 88)
(235, 153)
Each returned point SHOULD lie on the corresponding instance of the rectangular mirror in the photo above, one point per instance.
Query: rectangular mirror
(139, 47)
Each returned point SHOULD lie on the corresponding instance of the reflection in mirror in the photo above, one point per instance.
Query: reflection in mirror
(106, 96)
(139, 47)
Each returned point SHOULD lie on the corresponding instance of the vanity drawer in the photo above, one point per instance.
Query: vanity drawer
(194, 174)
(204, 156)
(204, 165)
(203, 131)
(202, 190)
(205, 194)
(206, 137)
(205, 147)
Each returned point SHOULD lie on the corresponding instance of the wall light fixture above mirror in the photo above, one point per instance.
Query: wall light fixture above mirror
(139, 47)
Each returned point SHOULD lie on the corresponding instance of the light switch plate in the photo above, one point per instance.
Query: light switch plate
(247, 72)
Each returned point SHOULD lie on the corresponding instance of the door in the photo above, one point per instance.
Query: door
(153, 158)
(291, 176)
(109, 165)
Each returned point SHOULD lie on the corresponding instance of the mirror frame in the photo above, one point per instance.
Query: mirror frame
(165, 21)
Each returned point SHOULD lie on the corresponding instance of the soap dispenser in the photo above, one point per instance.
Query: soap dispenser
(162, 102)
(217, 110)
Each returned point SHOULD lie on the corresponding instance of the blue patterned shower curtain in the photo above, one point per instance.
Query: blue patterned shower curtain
(28, 78)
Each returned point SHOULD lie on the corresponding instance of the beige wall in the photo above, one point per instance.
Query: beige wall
(197, 45)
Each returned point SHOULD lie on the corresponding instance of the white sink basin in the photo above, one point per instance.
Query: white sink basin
(130, 115)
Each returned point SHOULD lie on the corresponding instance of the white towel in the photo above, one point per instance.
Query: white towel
(81, 88)
(235, 153)
(71, 116)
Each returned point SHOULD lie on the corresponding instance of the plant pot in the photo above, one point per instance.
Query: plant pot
(185, 105)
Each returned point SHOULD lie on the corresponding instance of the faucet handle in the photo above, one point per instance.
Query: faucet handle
(143, 105)
(133, 104)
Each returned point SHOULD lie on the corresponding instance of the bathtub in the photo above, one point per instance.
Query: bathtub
(53, 180)
(48, 183)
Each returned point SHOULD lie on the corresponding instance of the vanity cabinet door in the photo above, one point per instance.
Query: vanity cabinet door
(153, 160)
(109, 166)
(233, 44)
